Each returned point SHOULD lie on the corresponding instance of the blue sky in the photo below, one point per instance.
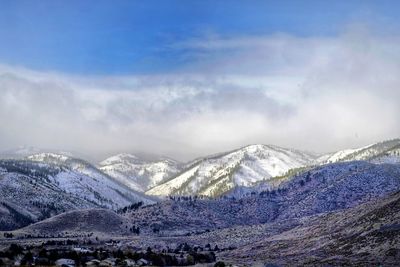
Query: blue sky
(136, 37)
(190, 78)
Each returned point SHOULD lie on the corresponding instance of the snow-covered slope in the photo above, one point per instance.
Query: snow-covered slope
(83, 178)
(46, 184)
(391, 155)
(215, 175)
(378, 152)
(28, 193)
(139, 174)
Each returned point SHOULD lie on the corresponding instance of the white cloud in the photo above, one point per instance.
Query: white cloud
(318, 94)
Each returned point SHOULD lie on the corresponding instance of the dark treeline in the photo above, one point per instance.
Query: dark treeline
(183, 255)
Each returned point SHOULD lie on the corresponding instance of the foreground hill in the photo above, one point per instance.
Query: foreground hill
(137, 173)
(215, 175)
(80, 222)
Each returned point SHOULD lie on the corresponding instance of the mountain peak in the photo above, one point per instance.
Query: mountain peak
(138, 173)
(216, 175)
(119, 158)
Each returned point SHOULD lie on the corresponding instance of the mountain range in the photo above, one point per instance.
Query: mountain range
(215, 175)
(42, 184)
(262, 204)
(341, 214)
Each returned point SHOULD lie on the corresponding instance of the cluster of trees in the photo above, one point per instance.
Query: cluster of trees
(46, 209)
(13, 251)
(19, 218)
(67, 242)
(59, 235)
(29, 168)
(42, 205)
(131, 207)
(194, 198)
(42, 256)
(135, 229)
(181, 259)
(185, 198)
(8, 235)
(273, 192)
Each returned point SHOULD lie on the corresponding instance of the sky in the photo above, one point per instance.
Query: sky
(191, 78)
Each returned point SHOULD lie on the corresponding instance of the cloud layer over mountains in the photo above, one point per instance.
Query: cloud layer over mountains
(314, 93)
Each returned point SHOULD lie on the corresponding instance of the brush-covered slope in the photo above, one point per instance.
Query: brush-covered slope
(137, 173)
(337, 186)
(216, 175)
(366, 235)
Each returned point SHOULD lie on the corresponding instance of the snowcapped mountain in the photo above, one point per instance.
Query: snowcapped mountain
(139, 174)
(30, 185)
(216, 175)
(377, 152)
(88, 177)
(46, 184)
(29, 194)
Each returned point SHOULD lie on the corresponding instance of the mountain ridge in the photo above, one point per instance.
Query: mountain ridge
(260, 161)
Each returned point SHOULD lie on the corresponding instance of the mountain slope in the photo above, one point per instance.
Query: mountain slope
(324, 189)
(47, 184)
(83, 178)
(366, 235)
(139, 174)
(213, 176)
(27, 194)
(377, 151)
